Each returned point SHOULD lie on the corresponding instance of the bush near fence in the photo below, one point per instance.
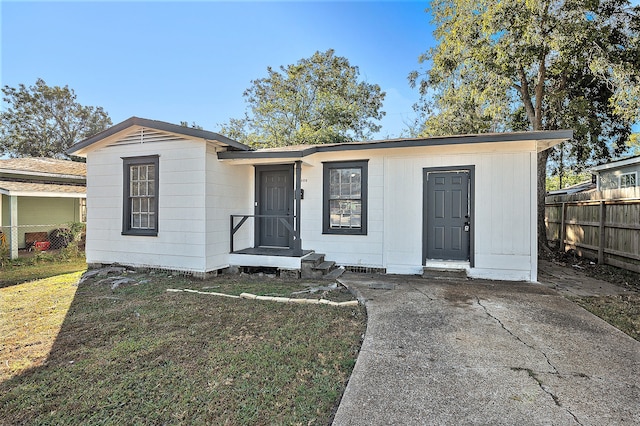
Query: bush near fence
(602, 225)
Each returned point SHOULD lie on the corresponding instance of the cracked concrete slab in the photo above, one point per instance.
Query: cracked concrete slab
(484, 352)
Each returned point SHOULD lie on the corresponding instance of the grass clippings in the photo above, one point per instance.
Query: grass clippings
(138, 354)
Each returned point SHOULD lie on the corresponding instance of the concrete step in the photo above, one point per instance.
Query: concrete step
(335, 274)
(325, 266)
(444, 273)
(313, 258)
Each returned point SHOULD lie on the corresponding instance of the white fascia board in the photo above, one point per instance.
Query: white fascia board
(42, 194)
(616, 164)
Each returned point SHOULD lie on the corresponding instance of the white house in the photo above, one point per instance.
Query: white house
(167, 196)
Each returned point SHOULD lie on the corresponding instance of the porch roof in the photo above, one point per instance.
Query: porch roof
(543, 139)
(33, 189)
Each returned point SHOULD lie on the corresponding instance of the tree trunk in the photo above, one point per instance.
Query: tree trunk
(543, 243)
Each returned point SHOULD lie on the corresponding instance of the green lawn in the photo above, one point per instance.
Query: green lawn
(43, 265)
(137, 354)
(623, 311)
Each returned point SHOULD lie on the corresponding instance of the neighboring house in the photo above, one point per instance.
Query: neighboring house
(581, 187)
(618, 174)
(38, 195)
(172, 197)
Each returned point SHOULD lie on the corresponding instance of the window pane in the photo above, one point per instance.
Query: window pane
(134, 173)
(135, 221)
(345, 214)
(151, 188)
(144, 221)
(151, 172)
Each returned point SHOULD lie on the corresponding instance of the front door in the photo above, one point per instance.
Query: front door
(447, 214)
(274, 197)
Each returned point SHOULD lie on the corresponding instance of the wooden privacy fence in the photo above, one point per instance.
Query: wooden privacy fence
(602, 225)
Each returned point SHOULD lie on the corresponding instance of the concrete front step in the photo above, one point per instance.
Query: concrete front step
(313, 258)
(444, 273)
(314, 266)
(325, 266)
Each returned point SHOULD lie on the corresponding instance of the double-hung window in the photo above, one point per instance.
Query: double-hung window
(628, 180)
(345, 198)
(140, 210)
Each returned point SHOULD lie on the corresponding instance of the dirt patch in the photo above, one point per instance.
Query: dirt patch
(620, 310)
(570, 259)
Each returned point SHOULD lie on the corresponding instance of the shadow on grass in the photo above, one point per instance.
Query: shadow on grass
(137, 354)
(23, 270)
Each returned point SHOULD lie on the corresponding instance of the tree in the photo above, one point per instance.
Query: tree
(535, 65)
(318, 100)
(193, 125)
(43, 121)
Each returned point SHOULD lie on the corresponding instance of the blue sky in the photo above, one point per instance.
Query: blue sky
(191, 61)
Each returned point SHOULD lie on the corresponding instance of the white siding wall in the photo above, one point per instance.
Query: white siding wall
(504, 208)
(198, 193)
(363, 250)
(229, 191)
(180, 243)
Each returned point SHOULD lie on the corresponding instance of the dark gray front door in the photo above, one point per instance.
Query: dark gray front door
(274, 197)
(447, 207)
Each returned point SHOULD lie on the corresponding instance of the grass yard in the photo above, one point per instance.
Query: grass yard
(42, 265)
(622, 312)
(136, 354)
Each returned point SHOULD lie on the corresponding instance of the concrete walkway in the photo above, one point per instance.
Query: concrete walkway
(483, 352)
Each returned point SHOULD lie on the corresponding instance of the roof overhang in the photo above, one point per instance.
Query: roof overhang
(81, 148)
(543, 140)
(50, 190)
(617, 164)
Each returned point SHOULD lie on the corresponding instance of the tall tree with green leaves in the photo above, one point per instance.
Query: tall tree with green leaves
(43, 121)
(535, 65)
(317, 100)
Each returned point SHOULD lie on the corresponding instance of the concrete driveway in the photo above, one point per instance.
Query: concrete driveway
(484, 352)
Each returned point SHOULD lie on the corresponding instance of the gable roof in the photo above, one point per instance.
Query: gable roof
(546, 139)
(44, 167)
(161, 126)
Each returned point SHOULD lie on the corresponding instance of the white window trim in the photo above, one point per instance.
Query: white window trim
(635, 175)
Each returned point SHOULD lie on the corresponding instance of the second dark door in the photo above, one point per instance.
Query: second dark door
(447, 215)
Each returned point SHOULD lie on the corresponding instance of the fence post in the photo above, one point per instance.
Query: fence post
(13, 223)
(563, 218)
(601, 232)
